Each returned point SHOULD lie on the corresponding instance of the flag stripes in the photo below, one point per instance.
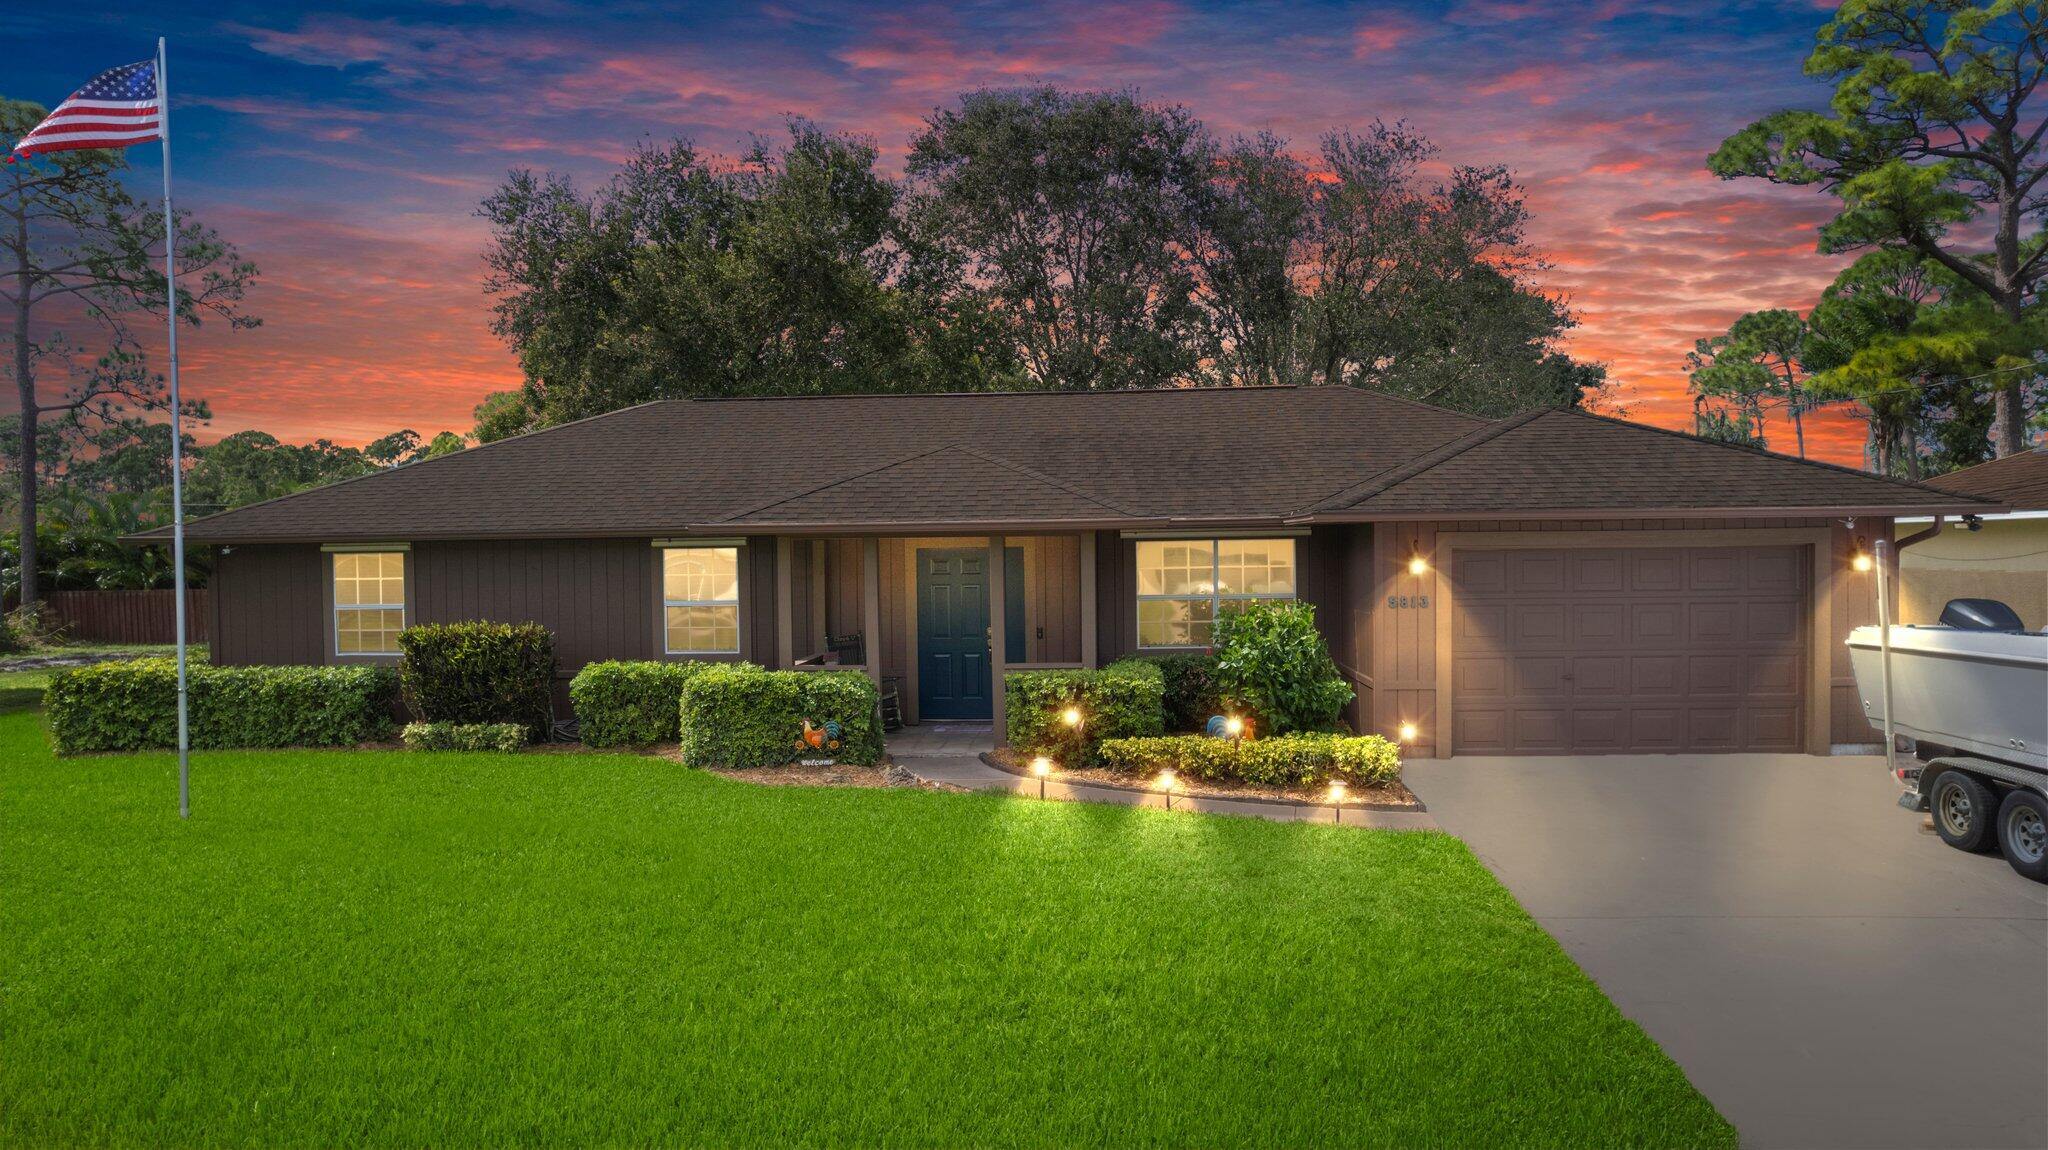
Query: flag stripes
(118, 107)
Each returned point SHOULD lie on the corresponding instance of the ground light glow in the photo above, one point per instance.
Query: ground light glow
(1041, 766)
(1166, 782)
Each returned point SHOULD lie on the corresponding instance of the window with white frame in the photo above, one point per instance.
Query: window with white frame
(1183, 583)
(369, 602)
(700, 600)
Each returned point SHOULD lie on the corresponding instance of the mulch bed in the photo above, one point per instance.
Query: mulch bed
(1388, 795)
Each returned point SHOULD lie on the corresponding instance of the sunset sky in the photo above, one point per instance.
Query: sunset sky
(345, 147)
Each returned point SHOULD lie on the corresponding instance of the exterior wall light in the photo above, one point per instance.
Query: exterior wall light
(1417, 565)
(1041, 766)
(1862, 561)
(1408, 732)
(1167, 779)
(1337, 798)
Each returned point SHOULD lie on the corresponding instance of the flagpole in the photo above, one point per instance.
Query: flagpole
(163, 98)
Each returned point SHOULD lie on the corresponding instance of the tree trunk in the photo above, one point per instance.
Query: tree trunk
(2009, 402)
(25, 386)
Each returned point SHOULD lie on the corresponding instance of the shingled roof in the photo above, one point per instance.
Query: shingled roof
(1561, 461)
(2020, 480)
(1025, 459)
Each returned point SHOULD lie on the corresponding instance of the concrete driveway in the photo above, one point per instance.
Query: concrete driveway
(1825, 972)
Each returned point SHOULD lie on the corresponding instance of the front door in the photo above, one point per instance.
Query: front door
(952, 629)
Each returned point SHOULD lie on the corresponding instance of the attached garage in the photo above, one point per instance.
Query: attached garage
(1638, 649)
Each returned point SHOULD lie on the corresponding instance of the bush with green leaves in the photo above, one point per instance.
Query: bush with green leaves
(132, 705)
(1121, 700)
(737, 715)
(480, 672)
(630, 704)
(1302, 760)
(1190, 694)
(1271, 660)
(463, 736)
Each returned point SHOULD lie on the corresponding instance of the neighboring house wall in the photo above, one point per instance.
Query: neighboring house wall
(1408, 640)
(2007, 561)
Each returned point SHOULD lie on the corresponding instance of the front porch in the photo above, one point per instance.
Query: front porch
(915, 614)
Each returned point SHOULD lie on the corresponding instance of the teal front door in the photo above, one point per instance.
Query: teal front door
(952, 629)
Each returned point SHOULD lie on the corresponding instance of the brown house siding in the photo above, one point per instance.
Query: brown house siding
(598, 595)
(269, 605)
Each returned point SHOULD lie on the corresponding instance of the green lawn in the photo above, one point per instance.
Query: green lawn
(410, 949)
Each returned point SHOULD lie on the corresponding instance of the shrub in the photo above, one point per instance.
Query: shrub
(133, 705)
(1271, 660)
(630, 704)
(480, 673)
(463, 736)
(28, 628)
(1118, 701)
(1283, 760)
(737, 715)
(1190, 693)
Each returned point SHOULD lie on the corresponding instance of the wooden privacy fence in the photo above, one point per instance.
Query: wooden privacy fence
(126, 616)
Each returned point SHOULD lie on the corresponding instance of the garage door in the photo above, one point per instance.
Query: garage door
(1637, 649)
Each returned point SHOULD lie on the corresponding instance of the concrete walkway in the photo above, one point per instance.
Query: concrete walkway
(950, 753)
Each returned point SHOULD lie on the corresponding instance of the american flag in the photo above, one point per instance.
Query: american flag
(116, 108)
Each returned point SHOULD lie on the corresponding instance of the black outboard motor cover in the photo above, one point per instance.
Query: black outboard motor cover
(1980, 615)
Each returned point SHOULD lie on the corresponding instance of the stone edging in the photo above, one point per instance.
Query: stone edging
(988, 758)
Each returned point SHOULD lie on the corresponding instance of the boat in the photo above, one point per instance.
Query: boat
(1975, 684)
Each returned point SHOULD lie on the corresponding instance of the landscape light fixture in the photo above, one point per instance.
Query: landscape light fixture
(1071, 716)
(1407, 732)
(1417, 565)
(1041, 766)
(1337, 798)
(1166, 781)
(1234, 727)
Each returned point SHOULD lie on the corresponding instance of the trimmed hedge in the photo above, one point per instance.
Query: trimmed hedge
(1283, 760)
(463, 736)
(1121, 700)
(737, 715)
(621, 704)
(1191, 693)
(133, 706)
(480, 673)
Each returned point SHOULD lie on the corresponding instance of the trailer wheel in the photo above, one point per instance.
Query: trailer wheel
(2023, 833)
(1964, 810)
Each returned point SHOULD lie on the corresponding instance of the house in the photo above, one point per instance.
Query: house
(2005, 558)
(1554, 582)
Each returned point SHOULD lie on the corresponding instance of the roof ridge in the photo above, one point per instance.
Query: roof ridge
(813, 490)
(1429, 460)
(1762, 451)
(1011, 392)
(1031, 473)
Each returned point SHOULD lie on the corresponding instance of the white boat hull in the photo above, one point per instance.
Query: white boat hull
(1982, 693)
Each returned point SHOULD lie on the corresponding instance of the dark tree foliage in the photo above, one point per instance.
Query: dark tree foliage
(685, 276)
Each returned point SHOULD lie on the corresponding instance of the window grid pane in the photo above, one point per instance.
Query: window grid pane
(1182, 584)
(701, 574)
(700, 600)
(369, 602)
(703, 629)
